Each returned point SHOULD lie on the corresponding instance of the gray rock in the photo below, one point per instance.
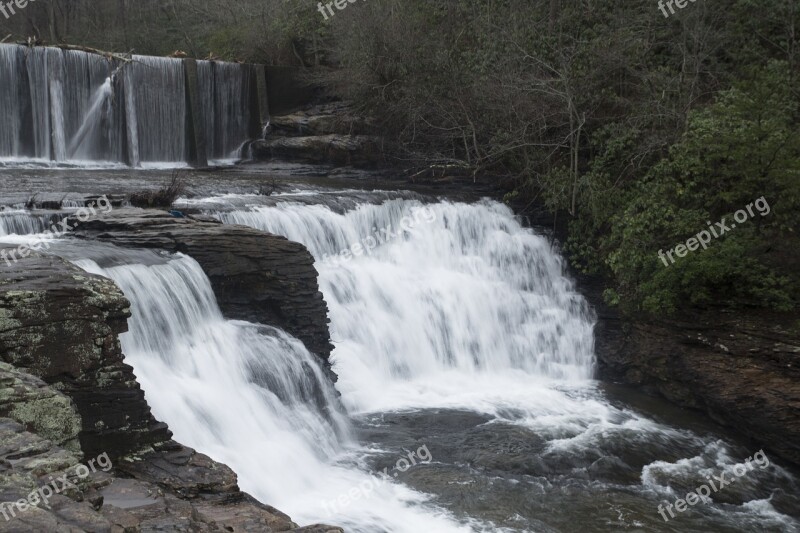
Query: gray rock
(41, 409)
(333, 148)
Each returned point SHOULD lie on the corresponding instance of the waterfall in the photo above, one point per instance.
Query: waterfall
(22, 222)
(132, 127)
(71, 107)
(37, 63)
(11, 98)
(484, 297)
(59, 139)
(160, 95)
(252, 397)
(226, 107)
(88, 123)
(457, 308)
(453, 326)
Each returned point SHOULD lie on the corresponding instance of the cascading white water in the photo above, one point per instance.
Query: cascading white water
(254, 398)
(22, 222)
(10, 102)
(89, 124)
(457, 306)
(485, 299)
(24, 102)
(57, 127)
(90, 133)
(65, 113)
(131, 126)
(38, 75)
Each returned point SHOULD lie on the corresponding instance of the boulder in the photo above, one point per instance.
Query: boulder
(61, 324)
(174, 489)
(30, 402)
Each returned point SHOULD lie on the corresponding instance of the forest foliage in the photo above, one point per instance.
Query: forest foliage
(635, 128)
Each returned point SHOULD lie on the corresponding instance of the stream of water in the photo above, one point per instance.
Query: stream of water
(457, 328)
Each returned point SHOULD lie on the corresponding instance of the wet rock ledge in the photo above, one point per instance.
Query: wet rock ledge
(256, 276)
(67, 397)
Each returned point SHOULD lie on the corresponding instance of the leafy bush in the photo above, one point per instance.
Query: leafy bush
(744, 146)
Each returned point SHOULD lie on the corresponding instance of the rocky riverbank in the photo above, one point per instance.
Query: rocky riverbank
(740, 368)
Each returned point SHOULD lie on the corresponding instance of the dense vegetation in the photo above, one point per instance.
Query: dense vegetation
(637, 129)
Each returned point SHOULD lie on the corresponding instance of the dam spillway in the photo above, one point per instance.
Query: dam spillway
(75, 108)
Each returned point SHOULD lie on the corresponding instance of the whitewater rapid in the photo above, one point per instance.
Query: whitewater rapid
(459, 307)
(448, 314)
(463, 308)
(466, 309)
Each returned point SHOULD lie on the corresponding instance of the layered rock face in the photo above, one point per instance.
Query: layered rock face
(256, 276)
(741, 370)
(328, 133)
(61, 324)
